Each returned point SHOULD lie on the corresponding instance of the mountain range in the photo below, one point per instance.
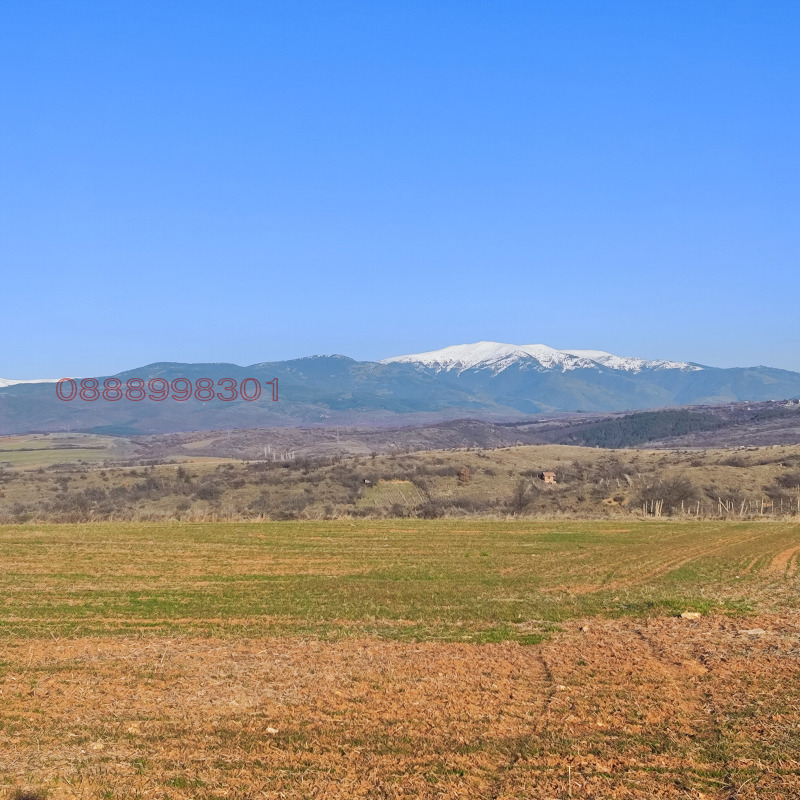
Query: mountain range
(486, 380)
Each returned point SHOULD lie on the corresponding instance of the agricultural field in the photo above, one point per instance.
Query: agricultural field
(37, 450)
(401, 658)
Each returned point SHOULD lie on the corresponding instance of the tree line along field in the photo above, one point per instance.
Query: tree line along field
(497, 483)
(400, 658)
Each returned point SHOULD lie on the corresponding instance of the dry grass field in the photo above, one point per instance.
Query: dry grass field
(400, 659)
(591, 483)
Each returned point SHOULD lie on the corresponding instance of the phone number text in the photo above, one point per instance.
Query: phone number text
(158, 389)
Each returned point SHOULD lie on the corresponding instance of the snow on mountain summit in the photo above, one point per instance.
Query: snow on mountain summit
(494, 355)
(631, 363)
(497, 356)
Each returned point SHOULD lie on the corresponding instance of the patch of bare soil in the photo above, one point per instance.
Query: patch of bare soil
(786, 562)
(666, 708)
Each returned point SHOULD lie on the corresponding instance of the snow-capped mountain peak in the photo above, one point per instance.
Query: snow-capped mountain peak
(481, 355)
(631, 363)
(497, 356)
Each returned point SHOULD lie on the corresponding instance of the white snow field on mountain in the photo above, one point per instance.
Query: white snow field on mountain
(497, 356)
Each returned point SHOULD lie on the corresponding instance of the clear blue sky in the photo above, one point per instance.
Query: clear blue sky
(253, 181)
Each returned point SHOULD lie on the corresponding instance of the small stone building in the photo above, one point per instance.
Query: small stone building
(548, 477)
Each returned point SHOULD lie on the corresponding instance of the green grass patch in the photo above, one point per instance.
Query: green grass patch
(393, 579)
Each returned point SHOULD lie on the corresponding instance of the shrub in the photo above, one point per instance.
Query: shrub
(789, 480)
(521, 497)
(672, 492)
(431, 509)
(207, 492)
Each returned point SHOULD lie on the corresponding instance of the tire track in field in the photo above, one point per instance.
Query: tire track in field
(699, 715)
(700, 552)
(785, 563)
(539, 677)
(675, 665)
(550, 691)
(655, 567)
(635, 695)
(749, 568)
